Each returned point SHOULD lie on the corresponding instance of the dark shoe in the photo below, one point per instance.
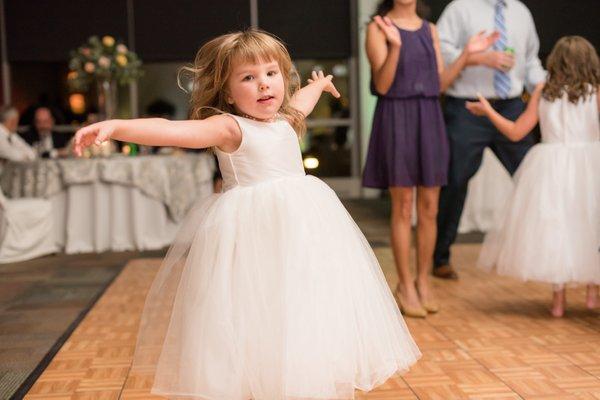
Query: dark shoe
(445, 272)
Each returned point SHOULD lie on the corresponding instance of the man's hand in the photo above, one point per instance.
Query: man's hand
(499, 60)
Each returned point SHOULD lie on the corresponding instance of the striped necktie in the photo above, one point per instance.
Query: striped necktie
(501, 79)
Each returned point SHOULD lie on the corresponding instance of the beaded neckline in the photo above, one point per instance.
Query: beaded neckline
(274, 119)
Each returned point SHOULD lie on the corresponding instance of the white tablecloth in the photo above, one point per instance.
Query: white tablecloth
(488, 193)
(116, 204)
(137, 203)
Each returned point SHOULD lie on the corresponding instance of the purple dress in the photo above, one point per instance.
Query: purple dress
(409, 145)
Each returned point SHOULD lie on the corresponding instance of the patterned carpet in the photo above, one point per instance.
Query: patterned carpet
(41, 302)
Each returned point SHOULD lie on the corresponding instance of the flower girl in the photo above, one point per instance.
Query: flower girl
(270, 290)
(551, 228)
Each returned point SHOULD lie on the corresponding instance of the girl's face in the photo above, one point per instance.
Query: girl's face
(257, 89)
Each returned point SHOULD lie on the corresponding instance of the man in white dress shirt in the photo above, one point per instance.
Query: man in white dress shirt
(500, 75)
(12, 146)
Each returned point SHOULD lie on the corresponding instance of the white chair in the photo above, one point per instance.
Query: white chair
(25, 229)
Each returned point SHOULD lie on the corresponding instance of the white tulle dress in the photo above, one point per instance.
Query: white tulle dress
(271, 290)
(550, 230)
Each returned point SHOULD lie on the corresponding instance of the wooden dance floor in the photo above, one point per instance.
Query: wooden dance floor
(493, 339)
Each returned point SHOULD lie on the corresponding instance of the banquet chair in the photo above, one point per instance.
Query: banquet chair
(25, 229)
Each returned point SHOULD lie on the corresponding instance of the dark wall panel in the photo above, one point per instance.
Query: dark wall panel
(310, 28)
(47, 30)
(565, 18)
(175, 29)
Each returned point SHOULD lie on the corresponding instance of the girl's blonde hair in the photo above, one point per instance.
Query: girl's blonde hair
(573, 67)
(213, 65)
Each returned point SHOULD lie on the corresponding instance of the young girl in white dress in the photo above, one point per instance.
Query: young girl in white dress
(270, 290)
(551, 229)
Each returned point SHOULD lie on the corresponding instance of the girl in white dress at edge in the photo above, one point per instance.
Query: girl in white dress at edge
(270, 290)
(550, 231)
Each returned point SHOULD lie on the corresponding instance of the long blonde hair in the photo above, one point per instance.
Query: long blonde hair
(213, 65)
(573, 68)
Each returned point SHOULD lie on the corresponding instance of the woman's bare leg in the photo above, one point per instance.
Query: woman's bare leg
(427, 209)
(402, 203)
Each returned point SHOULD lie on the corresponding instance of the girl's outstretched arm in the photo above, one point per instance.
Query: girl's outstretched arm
(305, 99)
(219, 130)
(516, 130)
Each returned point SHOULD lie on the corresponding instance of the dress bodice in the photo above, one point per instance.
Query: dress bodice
(564, 122)
(417, 71)
(269, 150)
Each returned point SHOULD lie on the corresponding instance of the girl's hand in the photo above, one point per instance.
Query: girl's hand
(92, 134)
(481, 42)
(392, 36)
(326, 81)
(481, 108)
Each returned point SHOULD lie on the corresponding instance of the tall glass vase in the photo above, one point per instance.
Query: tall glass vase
(107, 98)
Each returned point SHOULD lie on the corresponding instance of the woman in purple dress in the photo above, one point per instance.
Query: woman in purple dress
(408, 146)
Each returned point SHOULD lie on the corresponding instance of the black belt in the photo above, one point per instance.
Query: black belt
(493, 101)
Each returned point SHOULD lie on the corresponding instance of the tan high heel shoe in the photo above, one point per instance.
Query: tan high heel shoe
(412, 312)
(430, 306)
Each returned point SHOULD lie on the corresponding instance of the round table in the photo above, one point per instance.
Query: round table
(116, 203)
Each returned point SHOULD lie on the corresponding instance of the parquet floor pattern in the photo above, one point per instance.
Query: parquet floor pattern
(493, 339)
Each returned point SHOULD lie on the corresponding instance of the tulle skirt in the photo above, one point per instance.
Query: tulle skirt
(550, 229)
(271, 292)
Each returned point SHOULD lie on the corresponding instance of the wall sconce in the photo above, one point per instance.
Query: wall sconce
(77, 103)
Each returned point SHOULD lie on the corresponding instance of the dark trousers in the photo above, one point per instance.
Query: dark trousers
(469, 135)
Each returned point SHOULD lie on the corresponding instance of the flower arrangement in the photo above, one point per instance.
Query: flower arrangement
(103, 60)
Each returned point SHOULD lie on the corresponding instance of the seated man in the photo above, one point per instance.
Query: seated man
(46, 142)
(12, 146)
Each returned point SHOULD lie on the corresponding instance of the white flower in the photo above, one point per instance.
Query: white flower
(121, 48)
(104, 62)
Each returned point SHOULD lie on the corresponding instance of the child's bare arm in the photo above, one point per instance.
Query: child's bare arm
(218, 130)
(518, 129)
(305, 99)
